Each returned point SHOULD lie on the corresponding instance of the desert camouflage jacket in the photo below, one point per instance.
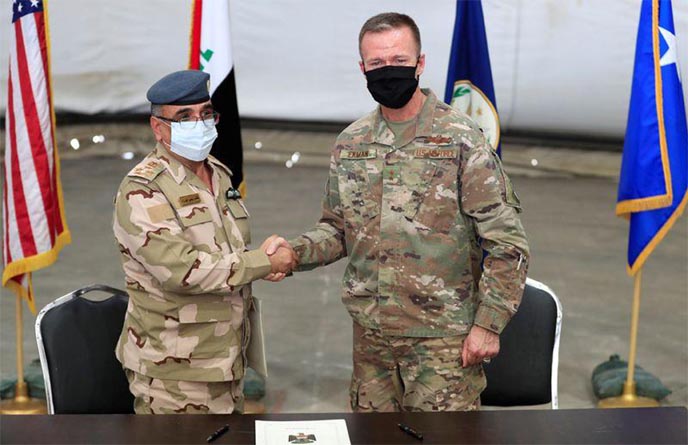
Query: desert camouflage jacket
(414, 214)
(187, 270)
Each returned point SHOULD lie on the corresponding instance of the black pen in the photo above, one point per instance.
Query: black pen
(410, 431)
(217, 433)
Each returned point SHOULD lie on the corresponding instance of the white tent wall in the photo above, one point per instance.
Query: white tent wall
(561, 66)
(105, 54)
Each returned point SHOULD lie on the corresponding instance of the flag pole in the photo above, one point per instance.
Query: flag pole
(629, 397)
(21, 403)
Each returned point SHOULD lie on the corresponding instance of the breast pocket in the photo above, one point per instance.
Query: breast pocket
(356, 178)
(206, 332)
(198, 227)
(193, 215)
(433, 191)
(241, 218)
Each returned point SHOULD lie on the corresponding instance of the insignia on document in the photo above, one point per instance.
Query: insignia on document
(191, 199)
(359, 154)
(302, 438)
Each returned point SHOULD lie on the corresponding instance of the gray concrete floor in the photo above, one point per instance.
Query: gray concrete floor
(578, 247)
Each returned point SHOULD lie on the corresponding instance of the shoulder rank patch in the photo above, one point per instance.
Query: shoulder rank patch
(147, 170)
(437, 139)
(371, 153)
(188, 200)
(435, 153)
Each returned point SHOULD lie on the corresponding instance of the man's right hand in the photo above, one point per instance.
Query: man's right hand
(281, 255)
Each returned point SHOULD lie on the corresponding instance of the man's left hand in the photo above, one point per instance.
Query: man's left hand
(480, 345)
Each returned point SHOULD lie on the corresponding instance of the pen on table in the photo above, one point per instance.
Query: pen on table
(217, 433)
(410, 431)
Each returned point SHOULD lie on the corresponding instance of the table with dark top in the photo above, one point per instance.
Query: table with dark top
(588, 426)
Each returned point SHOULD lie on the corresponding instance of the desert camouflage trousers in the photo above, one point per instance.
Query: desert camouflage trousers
(412, 374)
(156, 396)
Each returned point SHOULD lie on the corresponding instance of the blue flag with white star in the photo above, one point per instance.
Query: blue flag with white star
(469, 77)
(653, 184)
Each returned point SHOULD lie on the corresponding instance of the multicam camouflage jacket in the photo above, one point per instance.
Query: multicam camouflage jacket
(188, 273)
(413, 214)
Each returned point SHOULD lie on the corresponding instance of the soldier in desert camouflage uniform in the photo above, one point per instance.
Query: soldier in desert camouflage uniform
(414, 196)
(182, 231)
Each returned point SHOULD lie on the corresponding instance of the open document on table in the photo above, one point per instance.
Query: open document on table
(330, 432)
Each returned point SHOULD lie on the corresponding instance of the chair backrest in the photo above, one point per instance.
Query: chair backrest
(525, 371)
(76, 343)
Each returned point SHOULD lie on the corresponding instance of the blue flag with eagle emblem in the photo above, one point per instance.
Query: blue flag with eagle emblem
(469, 78)
(653, 184)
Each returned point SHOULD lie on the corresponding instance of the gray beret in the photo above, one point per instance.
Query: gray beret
(180, 88)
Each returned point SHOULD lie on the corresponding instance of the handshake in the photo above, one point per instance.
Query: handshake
(282, 257)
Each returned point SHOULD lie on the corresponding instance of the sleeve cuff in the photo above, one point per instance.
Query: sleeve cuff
(256, 264)
(299, 246)
(297, 243)
(491, 319)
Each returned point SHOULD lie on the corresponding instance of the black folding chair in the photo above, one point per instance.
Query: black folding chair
(526, 369)
(76, 339)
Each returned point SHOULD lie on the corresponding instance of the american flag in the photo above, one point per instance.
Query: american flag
(34, 227)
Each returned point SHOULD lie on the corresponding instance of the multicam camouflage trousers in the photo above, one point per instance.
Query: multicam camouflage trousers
(156, 396)
(412, 374)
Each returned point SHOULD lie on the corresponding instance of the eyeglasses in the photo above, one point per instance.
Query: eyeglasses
(189, 123)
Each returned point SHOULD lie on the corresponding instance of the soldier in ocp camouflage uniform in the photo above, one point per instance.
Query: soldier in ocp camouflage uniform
(414, 196)
(182, 231)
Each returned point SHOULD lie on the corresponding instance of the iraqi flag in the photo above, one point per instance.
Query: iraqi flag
(211, 52)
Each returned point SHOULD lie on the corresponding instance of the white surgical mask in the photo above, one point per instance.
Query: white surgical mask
(194, 143)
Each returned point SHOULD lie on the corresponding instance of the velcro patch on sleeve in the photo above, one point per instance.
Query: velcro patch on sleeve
(160, 212)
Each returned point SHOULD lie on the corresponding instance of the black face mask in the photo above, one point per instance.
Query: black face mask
(392, 86)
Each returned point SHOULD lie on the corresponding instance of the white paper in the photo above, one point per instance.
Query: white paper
(255, 353)
(318, 432)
